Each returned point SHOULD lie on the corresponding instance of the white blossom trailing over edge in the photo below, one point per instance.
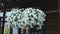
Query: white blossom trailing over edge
(26, 18)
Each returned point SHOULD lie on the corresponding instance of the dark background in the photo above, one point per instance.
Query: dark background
(42, 4)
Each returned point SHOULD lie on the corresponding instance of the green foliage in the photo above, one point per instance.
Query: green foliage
(1, 1)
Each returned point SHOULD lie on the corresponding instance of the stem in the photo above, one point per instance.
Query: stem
(27, 32)
(21, 31)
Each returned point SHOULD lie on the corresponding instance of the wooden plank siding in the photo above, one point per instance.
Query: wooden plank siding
(51, 5)
(42, 4)
(53, 33)
(52, 23)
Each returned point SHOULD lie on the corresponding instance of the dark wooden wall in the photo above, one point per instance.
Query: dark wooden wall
(52, 23)
(51, 5)
(52, 19)
(42, 4)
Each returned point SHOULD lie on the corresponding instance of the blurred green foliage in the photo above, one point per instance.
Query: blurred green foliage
(1, 1)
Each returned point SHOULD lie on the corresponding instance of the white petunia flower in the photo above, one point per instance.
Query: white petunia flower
(38, 23)
(23, 18)
(18, 17)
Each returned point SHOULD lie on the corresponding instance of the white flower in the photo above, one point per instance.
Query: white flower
(18, 17)
(19, 25)
(38, 23)
(31, 26)
(23, 18)
(28, 11)
(35, 16)
(22, 23)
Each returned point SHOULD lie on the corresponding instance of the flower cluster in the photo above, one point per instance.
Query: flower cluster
(26, 18)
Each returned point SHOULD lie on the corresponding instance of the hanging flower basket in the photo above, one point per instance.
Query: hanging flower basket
(26, 18)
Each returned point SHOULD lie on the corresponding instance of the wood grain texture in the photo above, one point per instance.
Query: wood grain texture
(52, 23)
(51, 5)
(42, 4)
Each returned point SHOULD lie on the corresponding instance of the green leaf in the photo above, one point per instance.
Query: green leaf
(1, 1)
(10, 22)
